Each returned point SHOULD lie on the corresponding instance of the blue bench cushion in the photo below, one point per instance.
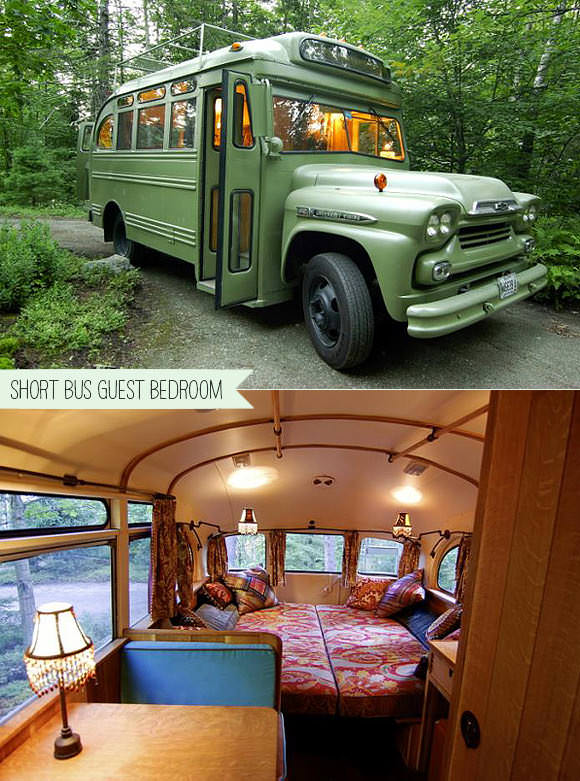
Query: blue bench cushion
(186, 673)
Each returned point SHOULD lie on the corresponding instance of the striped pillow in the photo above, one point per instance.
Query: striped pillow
(403, 592)
(252, 590)
(446, 623)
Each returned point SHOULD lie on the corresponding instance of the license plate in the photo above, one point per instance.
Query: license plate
(507, 284)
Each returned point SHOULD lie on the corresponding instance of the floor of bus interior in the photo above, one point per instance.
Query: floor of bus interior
(325, 748)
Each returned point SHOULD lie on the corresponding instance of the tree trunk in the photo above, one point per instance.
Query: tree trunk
(103, 89)
(26, 603)
(145, 4)
(329, 553)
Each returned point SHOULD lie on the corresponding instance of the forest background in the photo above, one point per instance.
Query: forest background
(489, 87)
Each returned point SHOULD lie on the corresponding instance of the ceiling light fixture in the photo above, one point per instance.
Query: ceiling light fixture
(249, 477)
(406, 494)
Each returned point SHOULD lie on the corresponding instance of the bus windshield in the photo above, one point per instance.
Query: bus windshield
(306, 126)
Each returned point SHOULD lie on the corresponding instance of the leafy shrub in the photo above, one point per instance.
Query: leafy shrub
(29, 261)
(558, 247)
(8, 345)
(7, 363)
(39, 176)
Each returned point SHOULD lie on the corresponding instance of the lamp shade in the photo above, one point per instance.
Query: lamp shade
(248, 523)
(402, 526)
(60, 654)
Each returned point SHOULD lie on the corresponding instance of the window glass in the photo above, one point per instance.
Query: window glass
(150, 127)
(241, 231)
(242, 123)
(246, 550)
(86, 142)
(124, 130)
(126, 100)
(139, 513)
(179, 87)
(314, 552)
(343, 57)
(446, 571)
(371, 135)
(81, 576)
(217, 122)
(139, 559)
(213, 217)
(182, 124)
(33, 511)
(105, 134)
(378, 556)
(151, 94)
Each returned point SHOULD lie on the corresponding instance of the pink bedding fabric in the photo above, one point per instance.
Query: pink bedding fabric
(307, 681)
(373, 660)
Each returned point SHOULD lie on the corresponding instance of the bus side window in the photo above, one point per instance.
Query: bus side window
(150, 127)
(217, 122)
(105, 134)
(243, 136)
(124, 130)
(241, 230)
(86, 140)
(182, 124)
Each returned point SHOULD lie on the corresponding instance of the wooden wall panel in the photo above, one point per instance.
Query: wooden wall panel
(519, 667)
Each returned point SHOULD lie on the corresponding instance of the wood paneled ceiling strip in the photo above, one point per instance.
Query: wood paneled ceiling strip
(191, 435)
(313, 445)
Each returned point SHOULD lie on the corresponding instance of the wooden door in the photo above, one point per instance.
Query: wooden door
(518, 670)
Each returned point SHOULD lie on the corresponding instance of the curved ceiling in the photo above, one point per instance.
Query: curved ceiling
(345, 434)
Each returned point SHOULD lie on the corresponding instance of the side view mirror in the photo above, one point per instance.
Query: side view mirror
(272, 146)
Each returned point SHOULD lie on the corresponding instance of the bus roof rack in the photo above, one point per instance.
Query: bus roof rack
(147, 64)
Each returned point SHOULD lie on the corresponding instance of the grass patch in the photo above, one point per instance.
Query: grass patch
(66, 210)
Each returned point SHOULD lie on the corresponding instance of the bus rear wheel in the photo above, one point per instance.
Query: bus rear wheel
(338, 310)
(124, 246)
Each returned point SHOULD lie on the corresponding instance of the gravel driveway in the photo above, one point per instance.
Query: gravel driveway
(525, 346)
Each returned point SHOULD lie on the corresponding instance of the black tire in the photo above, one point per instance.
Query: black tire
(124, 246)
(338, 310)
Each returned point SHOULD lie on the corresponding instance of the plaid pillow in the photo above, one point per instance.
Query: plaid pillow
(216, 594)
(403, 592)
(251, 590)
(446, 623)
(367, 592)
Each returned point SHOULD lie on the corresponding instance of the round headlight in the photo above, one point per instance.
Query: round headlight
(433, 226)
(446, 223)
(532, 213)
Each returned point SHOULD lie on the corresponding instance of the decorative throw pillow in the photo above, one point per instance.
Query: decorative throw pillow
(446, 623)
(215, 618)
(216, 593)
(187, 619)
(252, 590)
(403, 592)
(367, 592)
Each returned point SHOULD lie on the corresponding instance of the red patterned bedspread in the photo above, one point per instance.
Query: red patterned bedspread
(373, 660)
(307, 681)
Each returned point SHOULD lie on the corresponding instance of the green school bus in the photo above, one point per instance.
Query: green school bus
(279, 165)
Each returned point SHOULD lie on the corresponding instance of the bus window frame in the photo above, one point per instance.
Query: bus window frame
(50, 530)
(234, 117)
(251, 246)
(323, 63)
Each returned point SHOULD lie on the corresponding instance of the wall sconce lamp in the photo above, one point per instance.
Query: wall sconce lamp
(59, 656)
(402, 526)
(248, 523)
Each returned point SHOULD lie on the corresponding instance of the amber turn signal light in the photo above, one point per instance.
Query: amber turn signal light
(235, 47)
(380, 182)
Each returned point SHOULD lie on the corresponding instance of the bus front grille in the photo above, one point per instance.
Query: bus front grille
(480, 235)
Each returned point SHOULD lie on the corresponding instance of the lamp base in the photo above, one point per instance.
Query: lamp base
(68, 744)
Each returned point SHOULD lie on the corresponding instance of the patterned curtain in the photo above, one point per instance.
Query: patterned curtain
(163, 558)
(217, 557)
(462, 566)
(349, 559)
(185, 566)
(409, 560)
(276, 556)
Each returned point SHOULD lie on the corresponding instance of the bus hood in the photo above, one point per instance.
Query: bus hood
(462, 188)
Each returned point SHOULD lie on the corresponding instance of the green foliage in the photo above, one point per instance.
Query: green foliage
(29, 261)
(8, 345)
(7, 363)
(446, 573)
(558, 247)
(70, 210)
(39, 176)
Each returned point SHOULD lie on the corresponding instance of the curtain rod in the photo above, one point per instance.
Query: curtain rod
(72, 481)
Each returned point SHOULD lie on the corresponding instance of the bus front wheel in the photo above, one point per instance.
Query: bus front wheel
(124, 246)
(338, 310)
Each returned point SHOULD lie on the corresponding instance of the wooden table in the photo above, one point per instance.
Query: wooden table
(438, 688)
(186, 742)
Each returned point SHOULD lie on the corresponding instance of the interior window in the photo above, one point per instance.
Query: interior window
(446, 570)
(28, 512)
(243, 136)
(314, 552)
(151, 127)
(124, 130)
(246, 550)
(81, 576)
(241, 231)
(182, 124)
(139, 513)
(105, 134)
(217, 122)
(378, 556)
(139, 562)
